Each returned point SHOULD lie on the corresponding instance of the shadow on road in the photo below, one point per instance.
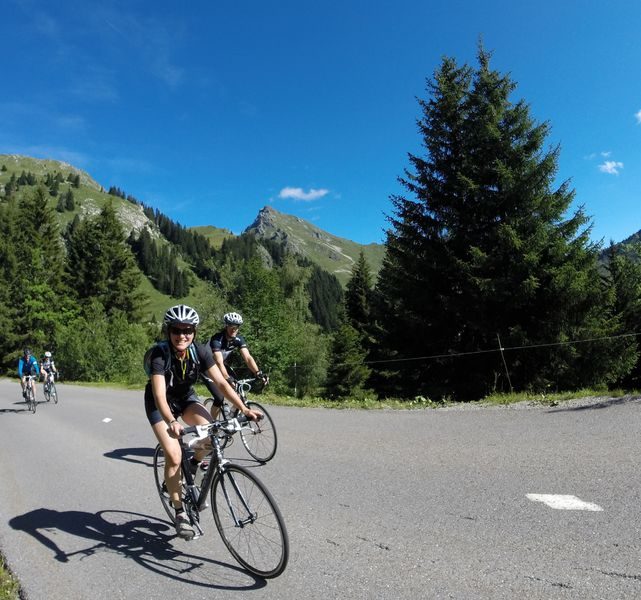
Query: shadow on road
(599, 403)
(143, 538)
(130, 454)
(22, 403)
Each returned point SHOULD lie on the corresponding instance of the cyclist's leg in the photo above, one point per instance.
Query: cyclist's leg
(173, 456)
(217, 396)
(194, 413)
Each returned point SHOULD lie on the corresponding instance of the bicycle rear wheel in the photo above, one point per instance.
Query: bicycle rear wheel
(53, 393)
(249, 521)
(259, 437)
(159, 476)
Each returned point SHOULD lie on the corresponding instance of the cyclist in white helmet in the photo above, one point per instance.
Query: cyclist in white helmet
(227, 341)
(174, 366)
(47, 367)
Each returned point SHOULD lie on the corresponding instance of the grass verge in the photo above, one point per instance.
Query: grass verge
(9, 586)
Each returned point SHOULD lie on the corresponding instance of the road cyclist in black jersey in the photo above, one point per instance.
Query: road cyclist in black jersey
(223, 344)
(48, 368)
(174, 366)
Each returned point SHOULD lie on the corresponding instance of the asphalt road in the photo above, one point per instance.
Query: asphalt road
(378, 504)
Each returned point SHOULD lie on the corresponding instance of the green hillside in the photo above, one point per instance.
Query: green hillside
(332, 253)
(215, 235)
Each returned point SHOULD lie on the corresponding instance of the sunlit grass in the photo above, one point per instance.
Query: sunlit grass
(9, 587)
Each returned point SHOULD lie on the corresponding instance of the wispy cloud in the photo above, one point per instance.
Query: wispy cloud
(301, 194)
(637, 116)
(611, 167)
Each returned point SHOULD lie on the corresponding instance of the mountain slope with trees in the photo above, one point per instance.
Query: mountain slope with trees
(486, 281)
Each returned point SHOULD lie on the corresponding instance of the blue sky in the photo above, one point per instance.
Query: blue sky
(211, 110)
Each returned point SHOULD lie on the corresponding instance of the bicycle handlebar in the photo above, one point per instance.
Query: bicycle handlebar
(204, 431)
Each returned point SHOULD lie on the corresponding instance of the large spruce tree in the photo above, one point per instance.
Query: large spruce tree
(482, 248)
(101, 266)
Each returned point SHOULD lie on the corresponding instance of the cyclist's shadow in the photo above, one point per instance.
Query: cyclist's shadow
(144, 538)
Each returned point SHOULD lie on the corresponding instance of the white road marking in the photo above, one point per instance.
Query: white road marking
(563, 502)
(106, 420)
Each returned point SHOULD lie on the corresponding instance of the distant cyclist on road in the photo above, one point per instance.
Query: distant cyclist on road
(174, 366)
(47, 367)
(223, 344)
(27, 365)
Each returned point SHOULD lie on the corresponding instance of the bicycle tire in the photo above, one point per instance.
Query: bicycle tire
(159, 477)
(259, 437)
(32, 400)
(260, 543)
(46, 390)
(53, 393)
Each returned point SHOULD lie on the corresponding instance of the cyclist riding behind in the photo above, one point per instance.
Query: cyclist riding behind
(48, 367)
(174, 368)
(27, 365)
(222, 345)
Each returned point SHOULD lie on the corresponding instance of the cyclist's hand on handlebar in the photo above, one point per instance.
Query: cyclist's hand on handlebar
(175, 429)
(253, 415)
(263, 377)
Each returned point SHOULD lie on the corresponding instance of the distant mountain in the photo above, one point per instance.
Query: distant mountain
(332, 253)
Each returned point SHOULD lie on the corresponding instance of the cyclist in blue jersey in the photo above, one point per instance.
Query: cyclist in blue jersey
(27, 365)
(174, 368)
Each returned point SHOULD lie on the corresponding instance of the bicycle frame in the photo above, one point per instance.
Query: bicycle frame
(216, 465)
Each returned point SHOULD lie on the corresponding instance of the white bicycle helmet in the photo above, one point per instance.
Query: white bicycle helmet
(181, 313)
(47, 354)
(233, 318)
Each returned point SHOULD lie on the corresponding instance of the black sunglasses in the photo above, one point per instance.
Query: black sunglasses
(181, 331)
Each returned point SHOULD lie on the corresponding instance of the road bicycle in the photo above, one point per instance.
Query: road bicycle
(30, 393)
(49, 388)
(246, 515)
(258, 437)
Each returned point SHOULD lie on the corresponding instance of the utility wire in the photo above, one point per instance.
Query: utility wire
(489, 351)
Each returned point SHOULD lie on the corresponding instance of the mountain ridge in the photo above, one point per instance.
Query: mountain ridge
(334, 254)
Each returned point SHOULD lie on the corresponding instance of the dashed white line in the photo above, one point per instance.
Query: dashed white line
(563, 502)
(106, 420)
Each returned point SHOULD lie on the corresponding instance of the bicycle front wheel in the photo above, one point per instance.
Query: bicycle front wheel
(249, 521)
(159, 476)
(47, 392)
(32, 400)
(53, 393)
(259, 437)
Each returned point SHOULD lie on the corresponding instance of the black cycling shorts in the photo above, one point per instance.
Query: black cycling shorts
(177, 407)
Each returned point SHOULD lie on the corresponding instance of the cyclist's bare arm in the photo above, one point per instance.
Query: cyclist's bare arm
(159, 389)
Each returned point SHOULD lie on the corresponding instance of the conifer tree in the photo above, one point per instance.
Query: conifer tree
(481, 246)
(100, 264)
(358, 296)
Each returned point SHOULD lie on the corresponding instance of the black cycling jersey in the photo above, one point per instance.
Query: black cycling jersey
(182, 375)
(219, 342)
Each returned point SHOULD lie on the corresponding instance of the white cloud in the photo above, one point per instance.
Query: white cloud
(611, 167)
(638, 117)
(301, 194)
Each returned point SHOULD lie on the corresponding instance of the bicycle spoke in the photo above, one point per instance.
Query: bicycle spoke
(249, 522)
